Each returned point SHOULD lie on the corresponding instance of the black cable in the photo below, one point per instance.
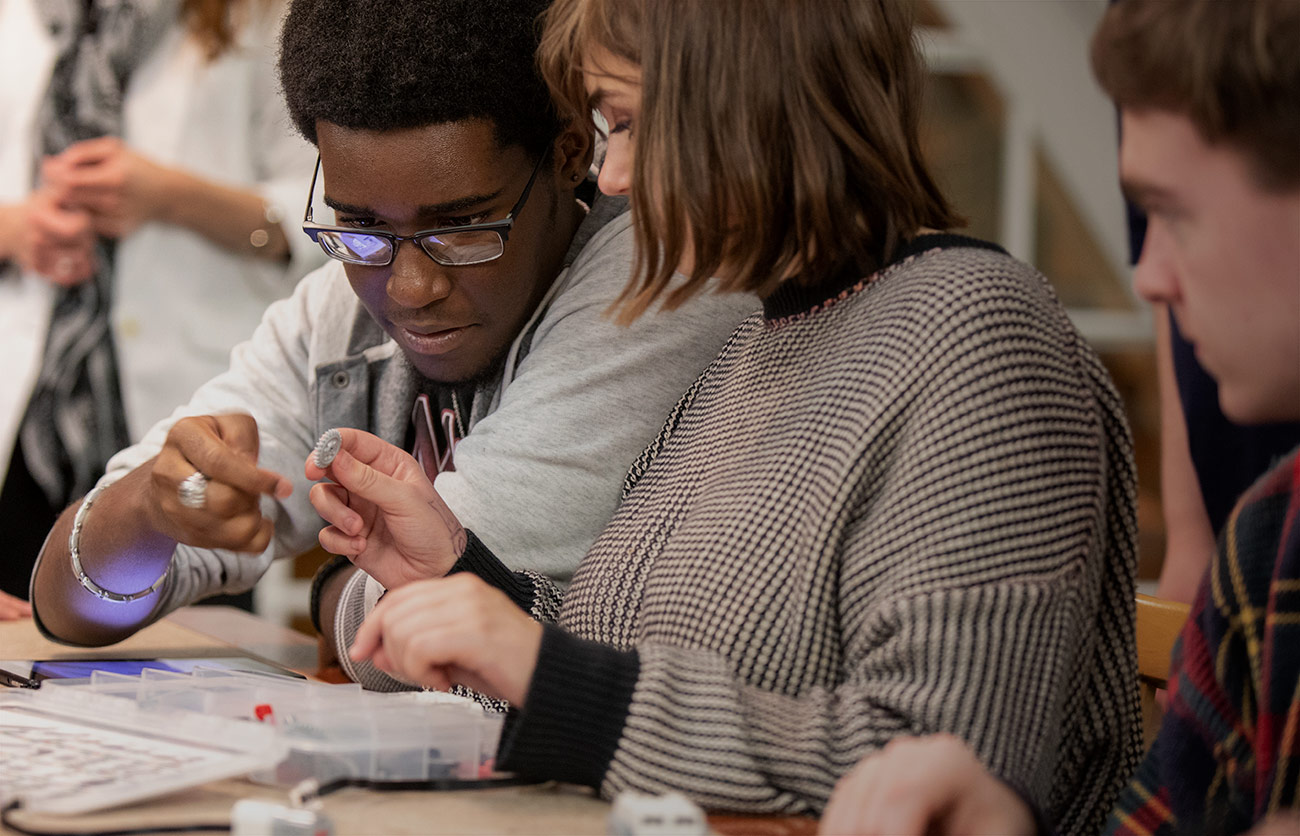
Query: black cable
(444, 784)
(7, 821)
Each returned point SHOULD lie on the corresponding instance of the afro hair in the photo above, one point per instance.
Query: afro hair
(383, 65)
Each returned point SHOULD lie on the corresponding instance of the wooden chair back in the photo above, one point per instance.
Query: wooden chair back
(1159, 621)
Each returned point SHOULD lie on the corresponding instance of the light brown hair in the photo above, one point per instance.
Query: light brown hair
(1230, 66)
(573, 29)
(776, 138)
(213, 24)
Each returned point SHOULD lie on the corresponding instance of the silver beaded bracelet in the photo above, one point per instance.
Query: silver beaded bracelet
(74, 541)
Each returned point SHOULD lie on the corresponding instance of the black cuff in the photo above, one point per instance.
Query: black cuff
(327, 570)
(478, 559)
(573, 717)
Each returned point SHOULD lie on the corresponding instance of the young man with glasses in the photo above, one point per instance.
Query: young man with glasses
(462, 317)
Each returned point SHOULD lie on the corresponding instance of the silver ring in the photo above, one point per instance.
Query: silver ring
(193, 490)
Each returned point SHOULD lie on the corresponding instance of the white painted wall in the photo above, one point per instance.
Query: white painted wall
(1036, 52)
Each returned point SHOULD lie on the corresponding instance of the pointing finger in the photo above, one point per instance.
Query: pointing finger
(224, 448)
(370, 636)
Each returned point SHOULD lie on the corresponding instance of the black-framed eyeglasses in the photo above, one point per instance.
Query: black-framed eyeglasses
(453, 246)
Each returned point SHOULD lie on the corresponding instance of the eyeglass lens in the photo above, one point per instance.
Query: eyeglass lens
(458, 248)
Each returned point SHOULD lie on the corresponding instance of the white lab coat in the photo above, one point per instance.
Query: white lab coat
(26, 56)
(180, 302)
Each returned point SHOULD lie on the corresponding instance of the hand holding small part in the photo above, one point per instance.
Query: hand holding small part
(382, 510)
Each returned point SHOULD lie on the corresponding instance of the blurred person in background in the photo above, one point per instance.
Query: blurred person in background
(146, 163)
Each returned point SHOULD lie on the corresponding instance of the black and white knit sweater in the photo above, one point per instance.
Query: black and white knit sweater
(894, 506)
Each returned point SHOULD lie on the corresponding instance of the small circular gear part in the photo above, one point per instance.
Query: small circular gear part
(331, 441)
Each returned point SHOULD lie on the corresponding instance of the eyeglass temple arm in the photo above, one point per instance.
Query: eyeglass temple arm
(311, 192)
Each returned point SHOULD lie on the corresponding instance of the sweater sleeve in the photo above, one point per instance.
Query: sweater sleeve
(531, 591)
(268, 378)
(966, 587)
(688, 724)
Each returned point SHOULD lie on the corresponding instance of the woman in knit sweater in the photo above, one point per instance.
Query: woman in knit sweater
(900, 500)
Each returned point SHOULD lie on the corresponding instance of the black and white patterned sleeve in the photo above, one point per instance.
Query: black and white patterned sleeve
(533, 592)
(968, 593)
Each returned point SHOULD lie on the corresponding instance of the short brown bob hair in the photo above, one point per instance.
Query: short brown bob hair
(1230, 66)
(776, 138)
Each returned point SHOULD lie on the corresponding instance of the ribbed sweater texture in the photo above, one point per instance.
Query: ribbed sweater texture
(906, 508)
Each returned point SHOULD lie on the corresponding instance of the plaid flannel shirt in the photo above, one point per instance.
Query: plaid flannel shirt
(1228, 752)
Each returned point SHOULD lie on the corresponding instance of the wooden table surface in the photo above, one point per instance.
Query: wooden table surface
(209, 631)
